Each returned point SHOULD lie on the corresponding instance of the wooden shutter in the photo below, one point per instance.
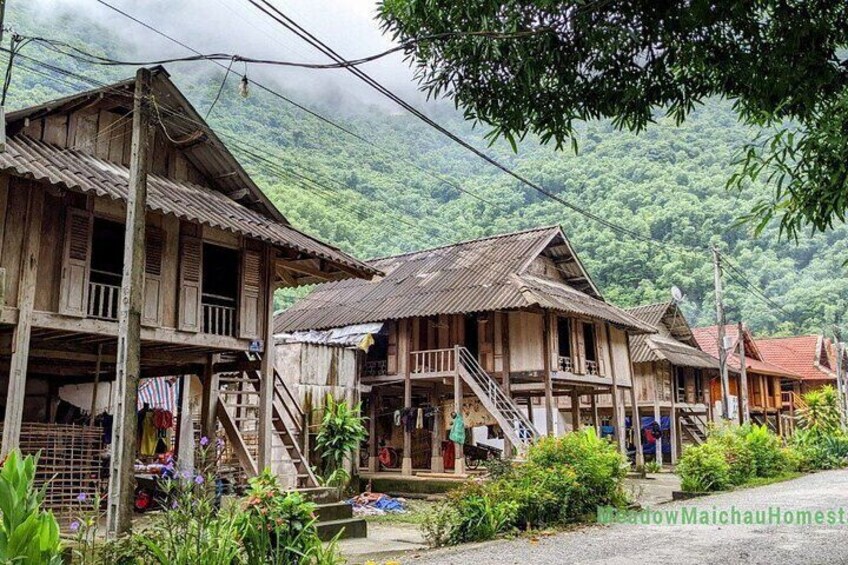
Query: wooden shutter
(151, 314)
(601, 349)
(580, 349)
(191, 272)
(73, 295)
(392, 351)
(250, 302)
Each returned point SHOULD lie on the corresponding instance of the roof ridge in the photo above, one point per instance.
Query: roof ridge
(466, 242)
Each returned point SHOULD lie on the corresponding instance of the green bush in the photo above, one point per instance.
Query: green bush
(704, 468)
(731, 441)
(342, 430)
(767, 456)
(598, 466)
(817, 450)
(27, 533)
(562, 481)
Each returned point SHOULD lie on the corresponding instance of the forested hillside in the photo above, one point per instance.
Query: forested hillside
(399, 192)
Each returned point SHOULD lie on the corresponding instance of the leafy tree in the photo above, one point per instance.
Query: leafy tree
(545, 66)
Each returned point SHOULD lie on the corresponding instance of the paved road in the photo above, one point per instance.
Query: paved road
(627, 543)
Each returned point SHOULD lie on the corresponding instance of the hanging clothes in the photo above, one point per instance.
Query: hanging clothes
(397, 417)
(419, 419)
(457, 433)
(149, 435)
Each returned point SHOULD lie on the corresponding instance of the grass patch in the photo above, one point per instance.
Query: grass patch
(415, 513)
(763, 481)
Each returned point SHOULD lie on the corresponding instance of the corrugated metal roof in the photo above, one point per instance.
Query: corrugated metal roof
(707, 338)
(474, 276)
(667, 317)
(82, 172)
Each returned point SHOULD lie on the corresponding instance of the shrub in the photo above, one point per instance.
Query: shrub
(341, 432)
(278, 527)
(543, 495)
(819, 412)
(764, 447)
(482, 515)
(440, 523)
(599, 468)
(704, 468)
(731, 442)
(27, 533)
(817, 451)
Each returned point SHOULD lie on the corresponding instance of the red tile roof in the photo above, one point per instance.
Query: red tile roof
(707, 339)
(800, 354)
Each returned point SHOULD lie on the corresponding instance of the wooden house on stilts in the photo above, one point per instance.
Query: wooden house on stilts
(492, 326)
(214, 251)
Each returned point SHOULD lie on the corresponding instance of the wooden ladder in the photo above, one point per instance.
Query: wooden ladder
(289, 423)
(693, 426)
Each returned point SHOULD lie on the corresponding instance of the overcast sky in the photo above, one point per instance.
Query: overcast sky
(235, 26)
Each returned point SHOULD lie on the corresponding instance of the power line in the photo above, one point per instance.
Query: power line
(275, 14)
(309, 111)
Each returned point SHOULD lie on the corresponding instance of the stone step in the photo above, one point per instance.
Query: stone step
(320, 495)
(331, 511)
(350, 528)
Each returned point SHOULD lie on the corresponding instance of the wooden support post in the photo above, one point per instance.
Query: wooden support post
(575, 410)
(672, 417)
(21, 336)
(403, 366)
(373, 461)
(618, 413)
(549, 391)
(505, 362)
(743, 379)
(437, 462)
(530, 410)
(185, 427)
(658, 445)
(209, 401)
(635, 420)
(96, 383)
(128, 365)
(596, 421)
(459, 459)
(266, 385)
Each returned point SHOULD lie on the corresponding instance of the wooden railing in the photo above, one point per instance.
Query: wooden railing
(376, 368)
(591, 367)
(219, 320)
(103, 300)
(566, 364)
(436, 361)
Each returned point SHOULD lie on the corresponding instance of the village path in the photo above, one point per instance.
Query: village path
(626, 543)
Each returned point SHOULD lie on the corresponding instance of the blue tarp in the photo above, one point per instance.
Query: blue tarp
(650, 448)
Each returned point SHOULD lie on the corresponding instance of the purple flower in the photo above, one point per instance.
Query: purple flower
(199, 479)
(204, 441)
(220, 443)
(75, 526)
(82, 497)
(174, 505)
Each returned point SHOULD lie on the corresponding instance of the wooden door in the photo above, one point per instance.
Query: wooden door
(191, 275)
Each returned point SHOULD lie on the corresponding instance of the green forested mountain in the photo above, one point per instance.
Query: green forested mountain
(399, 193)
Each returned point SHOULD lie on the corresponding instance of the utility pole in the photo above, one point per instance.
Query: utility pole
(743, 376)
(722, 351)
(128, 366)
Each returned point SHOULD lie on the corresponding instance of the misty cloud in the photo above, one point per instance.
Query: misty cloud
(235, 26)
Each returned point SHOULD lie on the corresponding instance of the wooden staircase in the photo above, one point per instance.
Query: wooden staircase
(693, 425)
(514, 423)
(238, 411)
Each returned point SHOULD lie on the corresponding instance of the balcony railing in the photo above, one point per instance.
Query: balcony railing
(219, 320)
(376, 368)
(566, 364)
(436, 361)
(591, 368)
(103, 300)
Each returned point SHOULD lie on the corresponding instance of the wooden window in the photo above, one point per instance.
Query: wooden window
(73, 296)
(220, 284)
(191, 260)
(591, 348)
(151, 314)
(106, 271)
(250, 304)
(566, 361)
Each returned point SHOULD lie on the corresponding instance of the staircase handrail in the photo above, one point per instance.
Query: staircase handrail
(493, 390)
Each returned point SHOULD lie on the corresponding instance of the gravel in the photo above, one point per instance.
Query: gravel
(627, 543)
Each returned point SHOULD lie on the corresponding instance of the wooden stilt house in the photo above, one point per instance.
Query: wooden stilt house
(214, 252)
(481, 328)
